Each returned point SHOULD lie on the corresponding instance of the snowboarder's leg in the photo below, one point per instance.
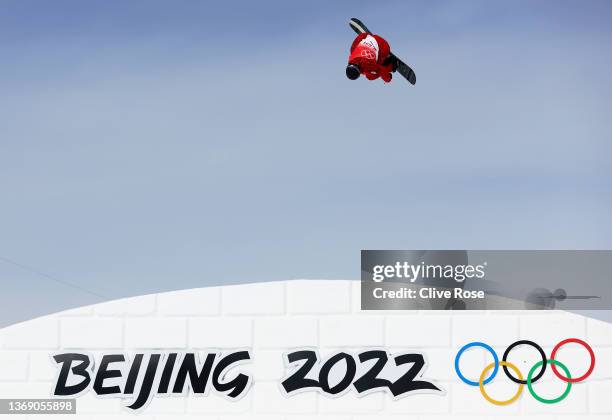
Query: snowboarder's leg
(391, 59)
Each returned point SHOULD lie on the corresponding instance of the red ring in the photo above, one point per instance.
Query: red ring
(586, 346)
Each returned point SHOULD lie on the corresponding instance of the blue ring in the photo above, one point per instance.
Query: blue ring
(486, 347)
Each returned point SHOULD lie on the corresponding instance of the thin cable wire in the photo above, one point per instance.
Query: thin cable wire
(47, 276)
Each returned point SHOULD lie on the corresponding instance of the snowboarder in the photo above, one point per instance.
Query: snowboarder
(371, 56)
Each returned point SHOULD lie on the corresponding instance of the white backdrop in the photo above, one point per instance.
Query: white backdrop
(271, 318)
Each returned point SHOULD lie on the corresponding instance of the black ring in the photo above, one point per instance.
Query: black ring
(538, 348)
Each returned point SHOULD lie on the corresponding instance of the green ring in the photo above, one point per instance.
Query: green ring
(544, 400)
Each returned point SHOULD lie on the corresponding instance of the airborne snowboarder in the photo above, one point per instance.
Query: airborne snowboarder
(371, 56)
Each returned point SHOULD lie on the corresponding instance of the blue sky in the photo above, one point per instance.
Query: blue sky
(158, 145)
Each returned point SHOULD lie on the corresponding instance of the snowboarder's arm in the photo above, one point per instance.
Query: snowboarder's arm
(357, 40)
(384, 50)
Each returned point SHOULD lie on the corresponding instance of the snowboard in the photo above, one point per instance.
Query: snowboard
(402, 68)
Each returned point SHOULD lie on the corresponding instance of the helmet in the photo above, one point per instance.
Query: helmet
(352, 72)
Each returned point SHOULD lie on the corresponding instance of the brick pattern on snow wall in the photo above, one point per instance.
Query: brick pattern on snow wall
(271, 318)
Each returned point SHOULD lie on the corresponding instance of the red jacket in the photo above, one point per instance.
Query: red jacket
(370, 53)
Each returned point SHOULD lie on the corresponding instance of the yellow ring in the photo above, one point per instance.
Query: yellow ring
(497, 402)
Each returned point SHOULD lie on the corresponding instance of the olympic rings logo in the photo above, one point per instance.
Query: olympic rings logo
(368, 54)
(531, 379)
